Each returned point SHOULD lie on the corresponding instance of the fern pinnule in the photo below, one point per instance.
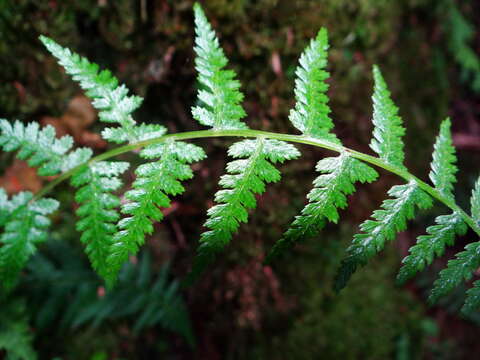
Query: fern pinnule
(112, 99)
(98, 214)
(220, 94)
(388, 131)
(41, 148)
(311, 112)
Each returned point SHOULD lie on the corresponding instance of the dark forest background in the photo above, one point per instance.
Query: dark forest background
(428, 51)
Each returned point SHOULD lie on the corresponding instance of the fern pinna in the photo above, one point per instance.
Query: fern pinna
(113, 229)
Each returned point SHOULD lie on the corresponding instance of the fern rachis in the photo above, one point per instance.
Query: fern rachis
(111, 234)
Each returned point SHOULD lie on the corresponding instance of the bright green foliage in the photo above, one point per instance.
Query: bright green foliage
(246, 177)
(97, 213)
(387, 134)
(311, 112)
(220, 93)
(443, 163)
(41, 148)
(155, 182)
(329, 194)
(15, 332)
(113, 101)
(459, 269)
(25, 228)
(139, 133)
(475, 202)
(429, 246)
(387, 222)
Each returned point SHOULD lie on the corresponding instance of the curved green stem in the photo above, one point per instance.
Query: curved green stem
(301, 139)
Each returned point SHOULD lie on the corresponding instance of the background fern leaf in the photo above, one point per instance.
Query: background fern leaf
(388, 131)
(311, 112)
(97, 213)
(431, 245)
(387, 222)
(220, 94)
(443, 163)
(245, 177)
(329, 194)
(41, 148)
(155, 182)
(25, 227)
(475, 202)
(112, 100)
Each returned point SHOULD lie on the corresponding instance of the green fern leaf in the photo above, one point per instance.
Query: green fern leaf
(155, 182)
(475, 202)
(97, 213)
(443, 163)
(221, 95)
(41, 148)
(26, 227)
(387, 222)
(388, 131)
(311, 112)
(472, 302)
(431, 245)
(5, 207)
(245, 177)
(113, 101)
(329, 194)
(459, 269)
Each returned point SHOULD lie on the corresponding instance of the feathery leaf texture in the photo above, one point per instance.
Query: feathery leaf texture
(245, 177)
(98, 210)
(429, 246)
(442, 174)
(475, 201)
(220, 94)
(155, 182)
(388, 130)
(112, 100)
(311, 112)
(387, 222)
(443, 163)
(26, 227)
(337, 179)
(459, 269)
(41, 148)
(472, 302)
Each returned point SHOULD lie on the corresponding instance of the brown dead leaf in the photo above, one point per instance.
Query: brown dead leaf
(19, 177)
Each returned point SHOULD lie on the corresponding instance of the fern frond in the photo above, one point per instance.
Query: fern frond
(155, 182)
(221, 94)
(384, 226)
(442, 174)
(112, 100)
(443, 163)
(245, 177)
(97, 213)
(25, 227)
(311, 112)
(337, 179)
(388, 130)
(459, 269)
(41, 148)
(429, 246)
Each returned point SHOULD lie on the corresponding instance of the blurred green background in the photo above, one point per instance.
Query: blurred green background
(429, 53)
